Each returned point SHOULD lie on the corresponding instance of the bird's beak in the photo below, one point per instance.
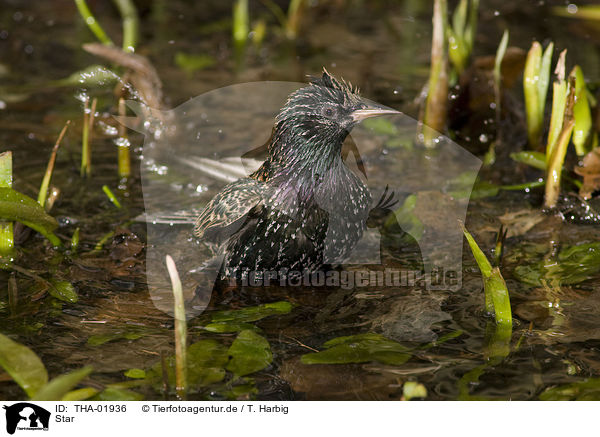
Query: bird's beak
(371, 111)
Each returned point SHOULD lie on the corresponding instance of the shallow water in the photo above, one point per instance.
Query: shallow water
(383, 47)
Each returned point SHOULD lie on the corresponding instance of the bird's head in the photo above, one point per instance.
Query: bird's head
(318, 117)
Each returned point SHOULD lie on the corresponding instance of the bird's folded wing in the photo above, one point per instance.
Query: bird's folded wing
(228, 207)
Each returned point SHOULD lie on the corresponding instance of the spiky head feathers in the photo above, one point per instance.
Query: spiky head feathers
(325, 101)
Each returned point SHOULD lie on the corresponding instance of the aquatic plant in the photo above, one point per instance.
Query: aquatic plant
(86, 152)
(461, 34)
(240, 29)
(123, 146)
(43, 193)
(556, 159)
(582, 113)
(129, 17)
(28, 371)
(497, 299)
(535, 86)
(181, 363)
(92, 23)
(111, 196)
(130, 20)
(559, 100)
(7, 239)
(434, 119)
(490, 156)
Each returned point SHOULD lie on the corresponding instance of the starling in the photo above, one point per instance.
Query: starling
(303, 208)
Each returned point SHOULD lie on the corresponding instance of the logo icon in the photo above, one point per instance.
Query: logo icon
(26, 416)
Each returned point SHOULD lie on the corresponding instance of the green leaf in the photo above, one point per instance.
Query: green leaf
(249, 353)
(80, 394)
(573, 265)
(135, 373)
(497, 299)
(23, 365)
(533, 159)
(359, 348)
(495, 286)
(252, 314)
(223, 327)
(480, 258)
(117, 394)
(15, 206)
(94, 75)
(61, 385)
(63, 290)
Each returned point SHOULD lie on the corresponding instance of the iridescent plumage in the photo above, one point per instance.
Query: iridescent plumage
(303, 207)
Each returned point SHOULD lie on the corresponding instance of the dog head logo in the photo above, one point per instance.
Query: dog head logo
(26, 416)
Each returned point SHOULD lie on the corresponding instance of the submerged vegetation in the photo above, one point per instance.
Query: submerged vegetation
(73, 260)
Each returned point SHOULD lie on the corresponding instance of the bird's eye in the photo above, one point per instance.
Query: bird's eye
(328, 112)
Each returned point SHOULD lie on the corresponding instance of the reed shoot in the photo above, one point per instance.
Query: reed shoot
(43, 193)
(535, 86)
(75, 240)
(86, 152)
(559, 151)
(581, 113)
(461, 34)
(437, 97)
(180, 331)
(7, 239)
(498, 75)
(130, 19)
(92, 23)
(123, 145)
(240, 28)
(111, 196)
(559, 103)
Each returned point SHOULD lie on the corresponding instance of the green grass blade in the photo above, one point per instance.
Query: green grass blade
(111, 196)
(92, 23)
(130, 20)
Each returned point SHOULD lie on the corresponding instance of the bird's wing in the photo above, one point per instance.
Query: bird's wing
(229, 206)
